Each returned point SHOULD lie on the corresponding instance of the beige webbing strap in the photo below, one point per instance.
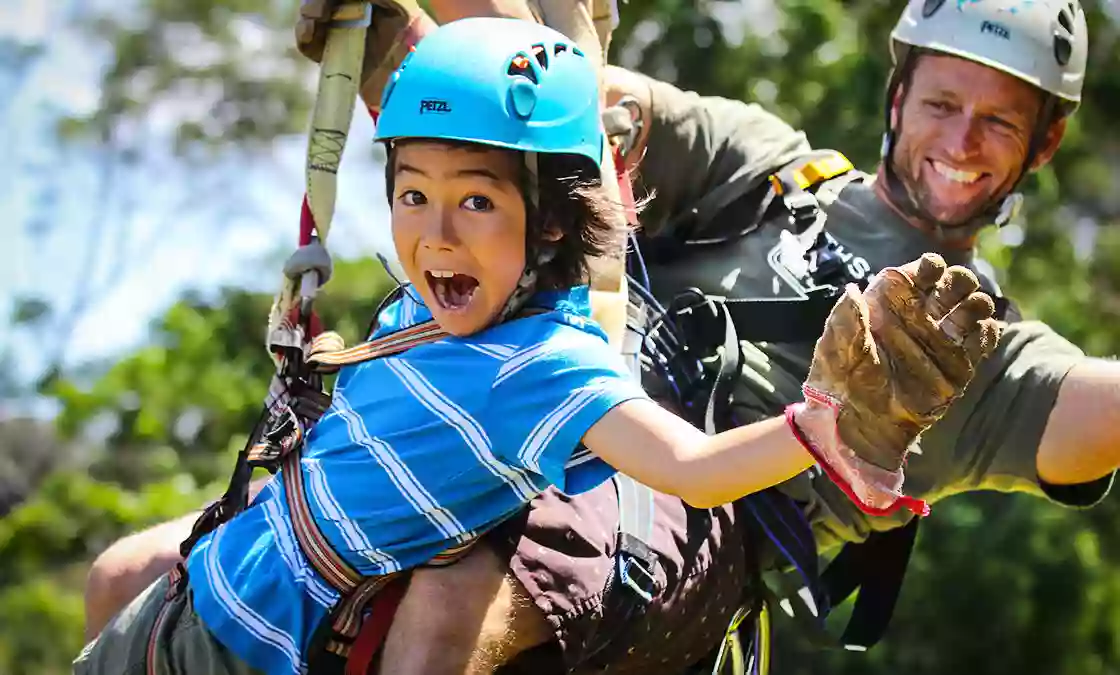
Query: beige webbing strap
(589, 23)
(326, 348)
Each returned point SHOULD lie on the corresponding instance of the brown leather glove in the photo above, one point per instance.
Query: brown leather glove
(890, 362)
(396, 26)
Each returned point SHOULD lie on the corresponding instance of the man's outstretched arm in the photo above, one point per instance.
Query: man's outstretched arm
(1081, 443)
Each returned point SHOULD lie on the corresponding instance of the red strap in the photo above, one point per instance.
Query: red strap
(306, 229)
(916, 506)
(625, 187)
(382, 609)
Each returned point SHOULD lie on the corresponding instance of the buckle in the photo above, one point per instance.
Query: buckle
(803, 209)
(626, 563)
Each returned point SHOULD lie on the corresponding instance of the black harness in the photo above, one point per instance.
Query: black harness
(694, 346)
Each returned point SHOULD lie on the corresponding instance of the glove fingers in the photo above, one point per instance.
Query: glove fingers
(311, 38)
(925, 271)
(316, 10)
(952, 288)
(965, 317)
(982, 340)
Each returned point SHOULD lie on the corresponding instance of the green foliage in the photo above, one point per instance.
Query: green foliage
(999, 584)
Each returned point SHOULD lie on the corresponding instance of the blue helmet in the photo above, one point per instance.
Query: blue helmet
(501, 82)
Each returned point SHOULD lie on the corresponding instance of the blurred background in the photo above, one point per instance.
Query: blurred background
(150, 188)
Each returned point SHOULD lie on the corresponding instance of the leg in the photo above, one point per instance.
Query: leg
(157, 633)
(131, 564)
(128, 567)
(466, 618)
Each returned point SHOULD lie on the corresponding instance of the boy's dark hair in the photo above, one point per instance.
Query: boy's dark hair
(571, 203)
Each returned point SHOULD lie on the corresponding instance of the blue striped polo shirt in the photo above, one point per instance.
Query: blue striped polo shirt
(418, 452)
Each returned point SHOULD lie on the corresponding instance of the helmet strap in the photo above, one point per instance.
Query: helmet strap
(537, 252)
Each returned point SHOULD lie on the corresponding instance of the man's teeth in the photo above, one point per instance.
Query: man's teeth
(955, 175)
(441, 274)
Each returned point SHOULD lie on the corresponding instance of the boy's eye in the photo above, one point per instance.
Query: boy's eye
(478, 203)
(412, 198)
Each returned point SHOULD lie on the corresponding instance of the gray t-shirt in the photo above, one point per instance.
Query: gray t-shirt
(704, 153)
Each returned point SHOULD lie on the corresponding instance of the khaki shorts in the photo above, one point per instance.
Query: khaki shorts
(158, 633)
(562, 552)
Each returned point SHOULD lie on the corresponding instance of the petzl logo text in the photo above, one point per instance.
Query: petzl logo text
(434, 105)
(995, 29)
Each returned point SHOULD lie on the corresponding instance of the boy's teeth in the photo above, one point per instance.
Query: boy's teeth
(441, 274)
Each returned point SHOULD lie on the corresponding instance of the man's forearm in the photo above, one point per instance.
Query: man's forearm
(452, 10)
(696, 153)
(1082, 438)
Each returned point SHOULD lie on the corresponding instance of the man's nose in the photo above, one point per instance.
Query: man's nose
(962, 137)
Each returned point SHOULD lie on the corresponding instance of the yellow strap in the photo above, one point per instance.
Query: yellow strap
(815, 171)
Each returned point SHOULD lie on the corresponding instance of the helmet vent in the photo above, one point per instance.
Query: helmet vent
(520, 66)
(1063, 46)
(1065, 17)
(930, 7)
(541, 53)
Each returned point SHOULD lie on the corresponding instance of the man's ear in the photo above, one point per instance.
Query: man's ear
(896, 104)
(1050, 144)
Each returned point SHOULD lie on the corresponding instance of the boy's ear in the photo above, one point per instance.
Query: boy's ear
(551, 233)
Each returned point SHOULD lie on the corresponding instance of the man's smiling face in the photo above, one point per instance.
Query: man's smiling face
(964, 133)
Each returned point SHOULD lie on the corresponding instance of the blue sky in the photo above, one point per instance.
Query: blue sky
(167, 225)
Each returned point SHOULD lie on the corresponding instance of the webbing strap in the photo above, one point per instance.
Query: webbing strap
(387, 345)
(782, 320)
(318, 551)
(631, 584)
(635, 507)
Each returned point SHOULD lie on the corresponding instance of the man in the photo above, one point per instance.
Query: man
(962, 130)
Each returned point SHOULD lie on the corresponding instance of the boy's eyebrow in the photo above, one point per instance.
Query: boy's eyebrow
(480, 172)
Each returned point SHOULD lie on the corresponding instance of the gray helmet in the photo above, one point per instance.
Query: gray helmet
(1043, 42)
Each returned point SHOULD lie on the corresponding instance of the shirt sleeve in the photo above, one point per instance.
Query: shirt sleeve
(545, 398)
(401, 313)
(704, 152)
(989, 439)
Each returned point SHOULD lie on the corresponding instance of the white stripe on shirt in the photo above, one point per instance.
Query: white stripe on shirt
(522, 359)
(356, 539)
(289, 550)
(469, 429)
(255, 624)
(400, 473)
(551, 424)
(488, 351)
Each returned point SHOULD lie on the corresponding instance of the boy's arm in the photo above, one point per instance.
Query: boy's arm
(641, 439)
(870, 394)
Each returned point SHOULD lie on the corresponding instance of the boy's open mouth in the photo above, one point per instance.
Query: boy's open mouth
(453, 291)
